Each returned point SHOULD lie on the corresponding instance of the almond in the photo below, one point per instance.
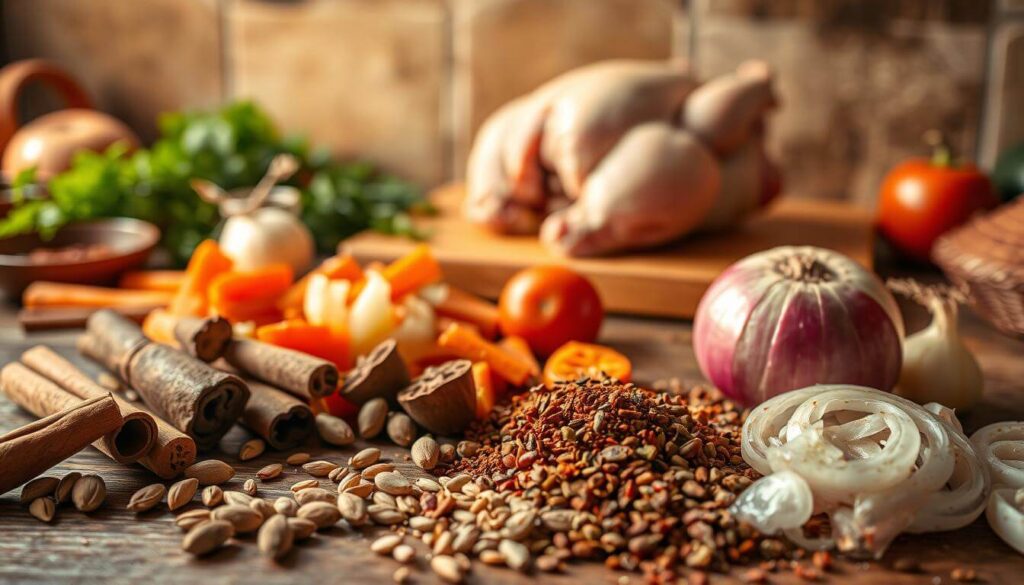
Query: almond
(275, 538)
(286, 506)
(265, 508)
(371, 472)
(43, 508)
(210, 472)
(385, 544)
(365, 458)
(401, 429)
(147, 497)
(394, 483)
(181, 493)
(251, 449)
(446, 568)
(322, 514)
(425, 452)
(67, 483)
(297, 458)
(243, 518)
(207, 537)
(362, 490)
(302, 528)
(249, 487)
(212, 496)
(188, 520)
(270, 471)
(353, 509)
(316, 494)
(38, 488)
(319, 468)
(334, 430)
(304, 484)
(372, 417)
(237, 498)
(89, 493)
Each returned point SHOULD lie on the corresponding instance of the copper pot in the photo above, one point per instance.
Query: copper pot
(50, 142)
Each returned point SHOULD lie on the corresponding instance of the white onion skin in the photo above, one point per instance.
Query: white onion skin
(759, 332)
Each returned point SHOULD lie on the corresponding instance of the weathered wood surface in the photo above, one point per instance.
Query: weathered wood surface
(115, 546)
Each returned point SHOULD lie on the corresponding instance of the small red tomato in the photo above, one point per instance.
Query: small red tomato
(549, 306)
(922, 199)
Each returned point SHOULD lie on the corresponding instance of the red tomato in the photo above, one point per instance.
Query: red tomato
(920, 200)
(549, 306)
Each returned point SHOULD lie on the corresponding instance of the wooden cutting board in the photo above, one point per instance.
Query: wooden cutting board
(666, 282)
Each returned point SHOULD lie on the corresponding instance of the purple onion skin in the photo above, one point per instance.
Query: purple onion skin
(758, 333)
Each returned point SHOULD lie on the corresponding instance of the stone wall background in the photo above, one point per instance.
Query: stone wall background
(406, 83)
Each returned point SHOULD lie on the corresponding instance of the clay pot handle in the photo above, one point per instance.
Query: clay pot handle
(16, 76)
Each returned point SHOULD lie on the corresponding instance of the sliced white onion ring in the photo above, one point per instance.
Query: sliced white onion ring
(779, 501)
(1006, 518)
(1001, 447)
(877, 463)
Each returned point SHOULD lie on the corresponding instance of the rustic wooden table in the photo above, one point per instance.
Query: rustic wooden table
(113, 545)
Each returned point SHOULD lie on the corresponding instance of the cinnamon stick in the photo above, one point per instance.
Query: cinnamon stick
(281, 419)
(27, 452)
(41, 397)
(203, 338)
(197, 399)
(170, 451)
(295, 372)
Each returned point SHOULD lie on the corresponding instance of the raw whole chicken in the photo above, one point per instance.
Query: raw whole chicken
(621, 155)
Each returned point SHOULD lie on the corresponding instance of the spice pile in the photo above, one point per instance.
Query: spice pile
(598, 468)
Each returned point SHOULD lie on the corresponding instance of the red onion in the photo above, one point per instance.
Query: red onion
(791, 317)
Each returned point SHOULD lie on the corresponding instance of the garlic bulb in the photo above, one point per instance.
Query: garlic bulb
(267, 235)
(937, 367)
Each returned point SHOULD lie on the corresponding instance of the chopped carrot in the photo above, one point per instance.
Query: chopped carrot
(463, 306)
(486, 391)
(412, 271)
(312, 339)
(250, 295)
(518, 346)
(60, 294)
(335, 268)
(165, 280)
(206, 264)
(442, 323)
(468, 344)
(159, 327)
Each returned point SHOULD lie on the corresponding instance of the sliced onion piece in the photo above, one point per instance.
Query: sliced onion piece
(779, 501)
(1006, 517)
(1001, 447)
(963, 499)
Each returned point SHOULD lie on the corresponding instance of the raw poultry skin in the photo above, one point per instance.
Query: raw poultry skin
(622, 155)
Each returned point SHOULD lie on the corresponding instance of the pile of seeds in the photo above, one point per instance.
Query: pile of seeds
(601, 469)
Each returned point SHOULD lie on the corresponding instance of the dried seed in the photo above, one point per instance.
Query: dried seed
(38, 488)
(393, 483)
(234, 498)
(207, 537)
(212, 496)
(364, 458)
(67, 483)
(210, 472)
(43, 508)
(243, 518)
(263, 507)
(422, 523)
(323, 514)
(401, 429)
(403, 553)
(89, 493)
(181, 493)
(316, 494)
(270, 471)
(319, 468)
(517, 556)
(362, 490)
(425, 452)
(298, 458)
(275, 538)
(446, 568)
(386, 517)
(519, 525)
(302, 528)
(371, 472)
(447, 453)
(147, 497)
(456, 483)
(385, 544)
(286, 506)
(491, 557)
(334, 430)
(249, 487)
(427, 485)
(371, 418)
(304, 484)
(467, 448)
(353, 509)
(251, 449)
(187, 520)
(336, 474)
(548, 563)
(401, 574)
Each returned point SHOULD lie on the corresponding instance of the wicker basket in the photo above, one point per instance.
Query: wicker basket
(985, 258)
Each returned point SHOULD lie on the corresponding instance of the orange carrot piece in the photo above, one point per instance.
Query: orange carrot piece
(518, 346)
(159, 326)
(206, 264)
(312, 339)
(60, 294)
(463, 306)
(468, 344)
(412, 271)
(165, 280)
(442, 323)
(250, 295)
(486, 393)
(335, 268)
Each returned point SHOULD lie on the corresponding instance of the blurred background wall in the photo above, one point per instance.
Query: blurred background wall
(405, 83)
